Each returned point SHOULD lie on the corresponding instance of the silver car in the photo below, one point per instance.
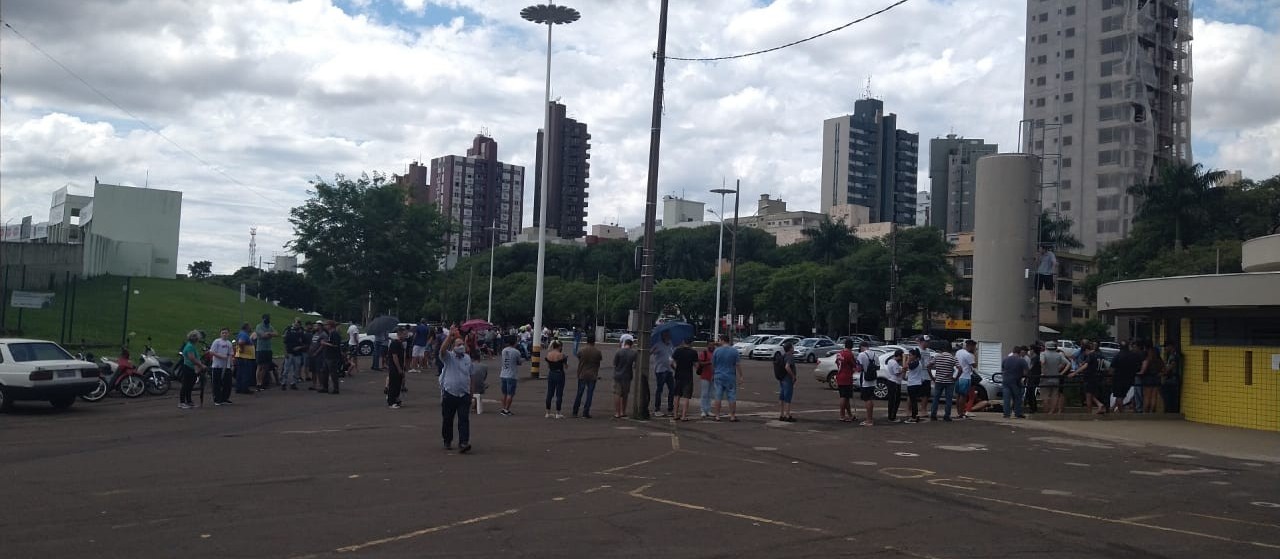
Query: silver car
(771, 347)
(809, 350)
(745, 345)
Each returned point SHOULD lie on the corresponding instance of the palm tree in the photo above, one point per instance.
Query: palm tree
(829, 239)
(1056, 232)
(1178, 196)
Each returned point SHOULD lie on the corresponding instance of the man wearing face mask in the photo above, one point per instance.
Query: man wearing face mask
(455, 391)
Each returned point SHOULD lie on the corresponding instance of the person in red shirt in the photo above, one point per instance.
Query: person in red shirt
(846, 366)
(705, 375)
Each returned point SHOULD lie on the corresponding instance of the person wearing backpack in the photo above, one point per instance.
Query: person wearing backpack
(870, 370)
(784, 369)
(846, 365)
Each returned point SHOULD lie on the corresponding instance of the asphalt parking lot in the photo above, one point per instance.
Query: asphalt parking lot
(299, 474)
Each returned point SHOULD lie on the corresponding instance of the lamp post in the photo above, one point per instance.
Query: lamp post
(551, 15)
(719, 259)
(493, 248)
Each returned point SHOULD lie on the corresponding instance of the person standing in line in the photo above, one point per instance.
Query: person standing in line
(294, 347)
(1171, 378)
(577, 341)
(455, 382)
(1053, 365)
(331, 344)
(420, 333)
(245, 360)
(624, 362)
(556, 360)
(1033, 376)
(663, 373)
(685, 359)
(966, 389)
(353, 344)
(727, 378)
(1012, 370)
(868, 371)
(262, 350)
(784, 369)
(1125, 369)
(926, 365)
(846, 365)
(706, 375)
(192, 367)
(395, 367)
(509, 374)
(1090, 370)
(221, 352)
(589, 359)
(943, 368)
(1152, 366)
(917, 372)
(315, 354)
(895, 372)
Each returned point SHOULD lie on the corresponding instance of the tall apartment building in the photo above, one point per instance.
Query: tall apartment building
(569, 174)
(478, 191)
(868, 161)
(953, 179)
(415, 184)
(1107, 102)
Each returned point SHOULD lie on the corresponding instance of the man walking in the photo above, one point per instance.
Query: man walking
(395, 368)
(222, 352)
(508, 375)
(784, 369)
(455, 386)
(663, 373)
(245, 360)
(685, 360)
(728, 376)
(262, 349)
(1012, 369)
(589, 359)
(944, 369)
(295, 346)
(624, 362)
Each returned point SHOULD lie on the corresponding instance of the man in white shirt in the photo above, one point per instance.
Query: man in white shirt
(966, 389)
(867, 374)
(222, 372)
(894, 376)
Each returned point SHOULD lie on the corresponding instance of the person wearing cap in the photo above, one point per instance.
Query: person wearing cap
(245, 361)
(262, 349)
(1053, 365)
(295, 346)
(191, 367)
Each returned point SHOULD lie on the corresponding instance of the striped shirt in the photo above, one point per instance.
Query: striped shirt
(944, 368)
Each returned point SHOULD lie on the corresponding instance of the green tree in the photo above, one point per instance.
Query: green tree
(200, 269)
(292, 290)
(1178, 200)
(1056, 232)
(829, 240)
(1092, 329)
(359, 237)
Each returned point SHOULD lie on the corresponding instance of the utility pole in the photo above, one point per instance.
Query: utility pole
(891, 333)
(471, 273)
(640, 380)
(733, 258)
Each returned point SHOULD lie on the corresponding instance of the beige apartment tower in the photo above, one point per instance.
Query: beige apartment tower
(1106, 103)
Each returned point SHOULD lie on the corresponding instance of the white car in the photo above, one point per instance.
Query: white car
(42, 370)
(745, 345)
(772, 347)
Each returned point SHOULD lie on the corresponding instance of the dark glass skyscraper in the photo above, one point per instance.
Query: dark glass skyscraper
(570, 171)
(868, 161)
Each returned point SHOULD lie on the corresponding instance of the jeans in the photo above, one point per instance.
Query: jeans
(895, 400)
(942, 389)
(706, 396)
(245, 370)
(330, 369)
(555, 389)
(1029, 394)
(377, 356)
(1171, 393)
(221, 385)
(395, 381)
(460, 407)
(188, 378)
(1013, 394)
(1137, 395)
(664, 378)
(726, 388)
(291, 370)
(589, 387)
(786, 390)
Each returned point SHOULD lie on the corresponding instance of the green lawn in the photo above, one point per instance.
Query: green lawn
(163, 309)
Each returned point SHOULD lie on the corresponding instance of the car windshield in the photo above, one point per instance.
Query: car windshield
(37, 351)
(809, 342)
(776, 340)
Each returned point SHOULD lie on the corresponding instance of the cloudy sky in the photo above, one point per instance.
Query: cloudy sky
(261, 96)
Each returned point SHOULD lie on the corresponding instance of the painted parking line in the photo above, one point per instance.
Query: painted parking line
(1237, 521)
(639, 494)
(425, 531)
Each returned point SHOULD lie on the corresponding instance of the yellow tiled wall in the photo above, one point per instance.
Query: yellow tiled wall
(1225, 399)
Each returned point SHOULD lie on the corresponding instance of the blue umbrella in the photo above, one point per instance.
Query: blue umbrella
(680, 331)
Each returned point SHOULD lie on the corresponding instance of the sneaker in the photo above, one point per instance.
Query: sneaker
(1020, 416)
(586, 416)
(1007, 416)
(217, 403)
(448, 446)
(464, 448)
(558, 416)
(504, 412)
(184, 406)
(912, 420)
(395, 406)
(867, 423)
(947, 419)
(283, 387)
(935, 418)
(293, 387)
(546, 415)
(227, 403)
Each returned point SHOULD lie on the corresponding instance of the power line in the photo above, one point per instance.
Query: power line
(794, 43)
(135, 117)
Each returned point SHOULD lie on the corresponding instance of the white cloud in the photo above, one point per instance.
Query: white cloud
(275, 93)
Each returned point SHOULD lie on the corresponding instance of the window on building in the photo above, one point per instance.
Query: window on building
(1108, 226)
(1112, 23)
(1069, 32)
(1077, 312)
(1065, 184)
(1067, 140)
(1040, 102)
(1067, 118)
(1069, 54)
(1043, 17)
(1040, 145)
(1109, 67)
(1112, 112)
(1068, 97)
(1068, 76)
(1109, 157)
(1109, 203)
(1252, 331)
(1071, 10)
(1065, 205)
(1066, 161)
(1107, 90)
(1043, 38)
(1113, 44)
(1109, 4)
(1040, 80)
(1109, 135)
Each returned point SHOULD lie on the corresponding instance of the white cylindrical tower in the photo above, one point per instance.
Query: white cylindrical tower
(1006, 216)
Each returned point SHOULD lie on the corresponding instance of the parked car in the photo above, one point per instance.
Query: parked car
(42, 370)
(772, 347)
(810, 349)
(745, 345)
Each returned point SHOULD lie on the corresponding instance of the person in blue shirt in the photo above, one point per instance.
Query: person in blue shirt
(455, 391)
(726, 378)
(419, 345)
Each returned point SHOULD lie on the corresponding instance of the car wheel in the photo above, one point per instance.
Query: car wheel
(831, 380)
(98, 393)
(5, 403)
(63, 402)
(881, 390)
(366, 349)
(132, 386)
(812, 358)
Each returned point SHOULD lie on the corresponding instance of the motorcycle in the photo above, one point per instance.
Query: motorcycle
(156, 371)
(116, 377)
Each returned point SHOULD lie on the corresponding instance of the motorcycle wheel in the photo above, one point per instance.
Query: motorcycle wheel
(132, 386)
(98, 393)
(157, 383)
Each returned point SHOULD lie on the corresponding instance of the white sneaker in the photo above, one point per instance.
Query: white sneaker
(547, 415)
(558, 416)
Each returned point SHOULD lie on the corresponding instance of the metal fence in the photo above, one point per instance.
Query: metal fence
(64, 307)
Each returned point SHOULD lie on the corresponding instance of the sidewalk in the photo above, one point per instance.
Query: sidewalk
(1229, 442)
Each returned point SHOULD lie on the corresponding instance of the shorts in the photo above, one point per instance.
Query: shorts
(962, 386)
(355, 349)
(263, 357)
(621, 388)
(1048, 392)
(918, 391)
(1093, 387)
(1121, 389)
(786, 390)
(845, 390)
(684, 387)
(726, 389)
(868, 393)
(419, 350)
(509, 386)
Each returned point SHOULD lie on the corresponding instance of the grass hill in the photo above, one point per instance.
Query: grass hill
(164, 310)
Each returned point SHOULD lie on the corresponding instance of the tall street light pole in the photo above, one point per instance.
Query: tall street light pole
(640, 381)
(733, 258)
(493, 248)
(719, 260)
(551, 15)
